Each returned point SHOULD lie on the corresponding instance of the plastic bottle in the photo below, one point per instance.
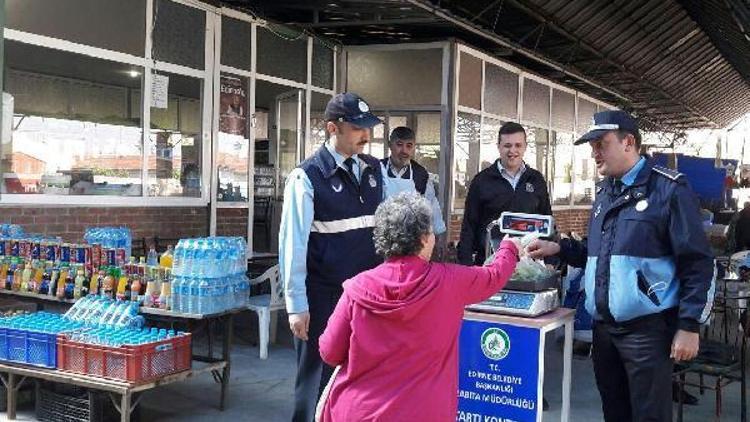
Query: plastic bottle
(44, 285)
(152, 257)
(53, 281)
(79, 283)
(167, 258)
(69, 286)
(122, 287)
(192, 295)
(165, 301)
(135, 289)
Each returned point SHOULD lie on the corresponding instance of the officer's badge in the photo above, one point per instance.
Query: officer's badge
(373, 182)
(598, 210)
(641, 205)
(529, 188)
(338, 188)
(363, 107)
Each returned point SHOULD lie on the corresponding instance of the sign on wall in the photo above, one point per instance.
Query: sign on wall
(498, 372)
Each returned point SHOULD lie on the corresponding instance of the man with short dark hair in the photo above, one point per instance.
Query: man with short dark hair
(326, 236)
(648, 272)
(401, 173)
(507, 185)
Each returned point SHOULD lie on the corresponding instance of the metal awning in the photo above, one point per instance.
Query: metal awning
(676, 64)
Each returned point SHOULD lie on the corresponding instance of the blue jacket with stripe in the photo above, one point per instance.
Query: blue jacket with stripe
(646, 251)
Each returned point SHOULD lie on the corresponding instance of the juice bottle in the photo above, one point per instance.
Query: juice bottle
(79, 282)
(26, 277)
(61, 280)
(167, 258)
(38, 277)
(121, 288)
(165, 296)
(135, 289)
(18, 277)
(4, 270)
(108, 285)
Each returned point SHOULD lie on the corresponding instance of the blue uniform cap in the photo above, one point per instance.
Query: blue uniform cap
(350, 108)
(607, 121)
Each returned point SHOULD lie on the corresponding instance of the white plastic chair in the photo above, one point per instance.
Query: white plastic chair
(263, 305)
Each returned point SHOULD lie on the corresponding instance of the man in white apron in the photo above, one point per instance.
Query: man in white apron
(402, 174)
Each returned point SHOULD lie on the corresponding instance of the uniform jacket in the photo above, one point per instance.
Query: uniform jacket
(489, 195)
(646, 251)
(340, 244)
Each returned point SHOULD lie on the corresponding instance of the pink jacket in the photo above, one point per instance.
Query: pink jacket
(395, 333)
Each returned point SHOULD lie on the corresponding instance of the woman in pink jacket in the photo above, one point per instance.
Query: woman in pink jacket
(395, 329)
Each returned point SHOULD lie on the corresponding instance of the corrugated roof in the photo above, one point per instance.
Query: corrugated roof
(677, 64)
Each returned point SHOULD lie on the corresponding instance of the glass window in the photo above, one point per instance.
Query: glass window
(284, 53)
(415, 77)
(232, 157)
(322, 64)
(466, 155)
(562, 168)
(179, 35)
(318, 132)
(536, 150)
(586, 110)
(535, 103)
(586, 176)
(236, 43)
(500, 91)
(563, 110)
(74, 132)
(488, 152)
(175, 145)
(112, 24)
(427, 128)
(378, 140)
(470, 81)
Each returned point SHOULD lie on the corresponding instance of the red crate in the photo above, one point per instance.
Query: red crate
(133, 364)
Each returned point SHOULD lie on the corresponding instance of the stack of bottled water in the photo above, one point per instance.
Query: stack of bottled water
(99, 311)
(11, 231)
(110, 237)
(118, 337)
(43, 322)
(209, 275)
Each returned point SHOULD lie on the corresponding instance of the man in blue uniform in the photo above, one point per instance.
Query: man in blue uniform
(648, 273)
(326, 236)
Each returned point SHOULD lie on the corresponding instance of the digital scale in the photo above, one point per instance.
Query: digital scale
(528, 299)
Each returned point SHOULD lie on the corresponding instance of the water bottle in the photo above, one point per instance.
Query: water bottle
(192, 295)
(153, 257)
(203, 300)
(176, 286)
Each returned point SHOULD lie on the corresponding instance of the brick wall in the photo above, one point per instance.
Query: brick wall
(231, 222)
(70, 223)
(572, 220)
(567, 220)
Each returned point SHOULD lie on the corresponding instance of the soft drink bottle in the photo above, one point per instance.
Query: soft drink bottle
(69, 287)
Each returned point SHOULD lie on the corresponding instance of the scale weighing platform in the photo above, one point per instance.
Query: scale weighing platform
(526, 299)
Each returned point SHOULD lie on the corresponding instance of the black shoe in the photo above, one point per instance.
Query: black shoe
(687, 398)
(545, 405)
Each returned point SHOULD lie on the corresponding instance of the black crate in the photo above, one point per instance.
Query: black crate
(74, 405)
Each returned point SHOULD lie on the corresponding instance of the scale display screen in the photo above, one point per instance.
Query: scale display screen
(521, 224)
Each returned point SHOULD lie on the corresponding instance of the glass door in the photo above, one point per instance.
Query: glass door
(289, 134)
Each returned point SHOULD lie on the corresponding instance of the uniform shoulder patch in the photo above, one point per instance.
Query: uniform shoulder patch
(670, 174)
